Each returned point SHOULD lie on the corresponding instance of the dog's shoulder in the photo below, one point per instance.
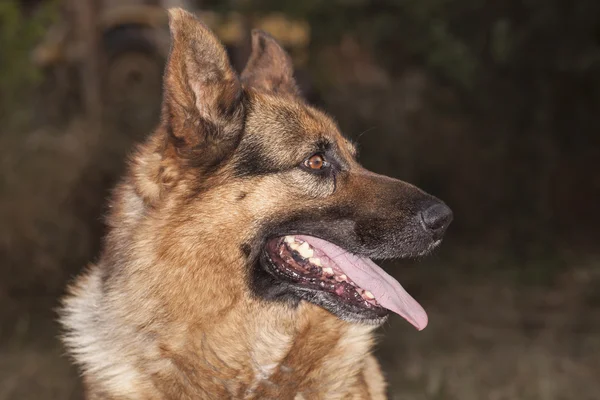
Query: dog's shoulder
(95, 341)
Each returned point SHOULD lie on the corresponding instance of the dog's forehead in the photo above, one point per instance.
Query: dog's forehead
(286, 120)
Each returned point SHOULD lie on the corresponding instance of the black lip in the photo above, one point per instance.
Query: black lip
(425, 249)
(350, 311)
(413, 243)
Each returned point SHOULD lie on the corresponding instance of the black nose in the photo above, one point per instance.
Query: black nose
(436, 219)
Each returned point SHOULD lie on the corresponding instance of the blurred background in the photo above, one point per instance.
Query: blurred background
(492, 106)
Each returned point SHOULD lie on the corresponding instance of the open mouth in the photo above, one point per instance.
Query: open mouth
(352, 281)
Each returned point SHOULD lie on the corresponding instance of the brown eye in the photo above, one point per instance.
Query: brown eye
(315, 162)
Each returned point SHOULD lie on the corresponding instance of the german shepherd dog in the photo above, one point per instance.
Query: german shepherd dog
(238, 258)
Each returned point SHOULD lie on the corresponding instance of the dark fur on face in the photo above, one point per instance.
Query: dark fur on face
(259, 128)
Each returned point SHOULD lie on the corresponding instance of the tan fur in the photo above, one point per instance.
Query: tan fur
(167, 313)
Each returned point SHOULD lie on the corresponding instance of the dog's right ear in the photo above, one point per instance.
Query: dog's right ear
(202, 105)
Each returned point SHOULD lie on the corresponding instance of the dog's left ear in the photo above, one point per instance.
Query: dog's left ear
(269, 68)
(202, 106)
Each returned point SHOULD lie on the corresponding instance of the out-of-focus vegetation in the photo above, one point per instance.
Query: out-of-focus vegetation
(20, 31)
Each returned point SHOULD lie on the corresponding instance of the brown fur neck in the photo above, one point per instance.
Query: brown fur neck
(166, 317)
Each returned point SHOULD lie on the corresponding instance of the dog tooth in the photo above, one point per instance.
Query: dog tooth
(305, 250)
(294, 246)
(289, 239)
(343, 277)
(369, 295)
(305, 246)
(328, 271)
(316, 261)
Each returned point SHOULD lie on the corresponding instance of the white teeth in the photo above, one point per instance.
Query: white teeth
(315, 261)
(294, 246)
(305, 250)
(368, 295)
(343, 277)
(289, 239)
(328, 271)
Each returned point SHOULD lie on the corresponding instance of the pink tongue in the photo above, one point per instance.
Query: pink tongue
(366, 274)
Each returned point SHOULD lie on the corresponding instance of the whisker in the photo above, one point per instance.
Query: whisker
(365, 131)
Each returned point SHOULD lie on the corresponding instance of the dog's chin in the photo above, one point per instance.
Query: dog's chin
(347, 311)
(290, 269)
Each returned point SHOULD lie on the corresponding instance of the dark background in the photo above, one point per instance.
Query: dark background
(490, 105)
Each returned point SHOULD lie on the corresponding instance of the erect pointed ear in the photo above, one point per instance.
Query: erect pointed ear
(269, 68)
(203, 96)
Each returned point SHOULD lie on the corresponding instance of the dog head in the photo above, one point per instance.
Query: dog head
(252, 183)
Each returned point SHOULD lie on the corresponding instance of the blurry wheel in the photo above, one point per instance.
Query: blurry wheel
(133, 77)
(57, 99)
